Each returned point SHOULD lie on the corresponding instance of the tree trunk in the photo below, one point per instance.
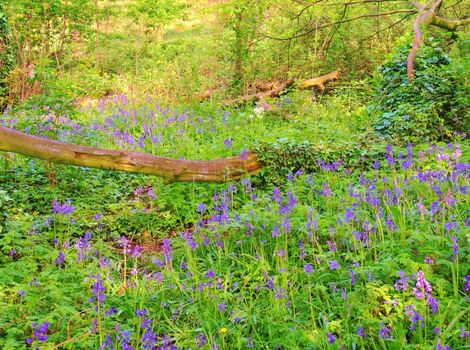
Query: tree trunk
(135, 162)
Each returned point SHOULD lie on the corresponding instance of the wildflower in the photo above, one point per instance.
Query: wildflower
(280, 293)
(66, 208)
(228, 143)
(415, 317)
(108, 342)
(21, 293)
(275, 231)
(40, 332)
(136, 251)
(244, 155)
(308, 268)
(326, 191)
(223, 330)
(167, 250)
(385, 332)
(391, 223)
(361, 332)
(201, 340)
(464, 333)
(201, 208)
(209, 274)
(433, 303)
(110, 312)
(334, 265)
(390, 160)
(429, 260)
(222, 307)
(98, 291)
(449, 198)
(455, 247)
(402, 282)
(250, 343)
(439, 346)
(422, 285)
(125, 336)
(331, 338)
(60, 259)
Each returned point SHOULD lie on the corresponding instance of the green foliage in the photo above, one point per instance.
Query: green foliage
(6, 57)
(3, 211)
(159, 13)
(435, 106)
(286, 156)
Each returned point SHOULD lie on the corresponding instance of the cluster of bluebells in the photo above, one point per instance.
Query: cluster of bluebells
(288, 242)
(39, 333)
(65, 208)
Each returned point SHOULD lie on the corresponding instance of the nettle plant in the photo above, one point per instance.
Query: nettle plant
(432, 107)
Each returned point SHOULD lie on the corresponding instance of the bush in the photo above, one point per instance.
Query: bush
(432, 107)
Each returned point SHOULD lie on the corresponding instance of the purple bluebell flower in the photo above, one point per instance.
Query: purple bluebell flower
(201, 340)
(222, 307)
(228, 143)
(40, 332)
(308, 268)
(385, 332)
(331, 338)
(390, 160)
(244, 155)
(429, 260)
(361, 332)
(402, 282)
(464, 333)
(334, 265)
(108, 342)
(250, 343)
(422, 286)
(201, 208)
(60, 259)
(167, 250)
(455, 247)
(110, 312)
(433, 303)
(98, 290)
(66, 208)
(416, 318)
(209, 274)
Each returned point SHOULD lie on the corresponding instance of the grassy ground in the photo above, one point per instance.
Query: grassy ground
(371, 257)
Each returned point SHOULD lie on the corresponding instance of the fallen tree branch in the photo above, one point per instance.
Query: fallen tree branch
(320, 81)
(305, 84)
(261, 96)
(170, 169)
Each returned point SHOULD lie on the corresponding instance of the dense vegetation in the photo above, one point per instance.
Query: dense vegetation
(354, 235)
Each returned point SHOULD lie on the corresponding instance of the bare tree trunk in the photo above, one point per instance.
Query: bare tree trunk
(428, 16)
(98, 33)
(170, 169)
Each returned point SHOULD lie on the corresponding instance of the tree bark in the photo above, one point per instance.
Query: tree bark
(170, 169)
(428, 16)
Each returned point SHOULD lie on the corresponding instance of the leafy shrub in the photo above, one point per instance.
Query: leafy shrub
(6, 56)
(285, 156)
(432, 107)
